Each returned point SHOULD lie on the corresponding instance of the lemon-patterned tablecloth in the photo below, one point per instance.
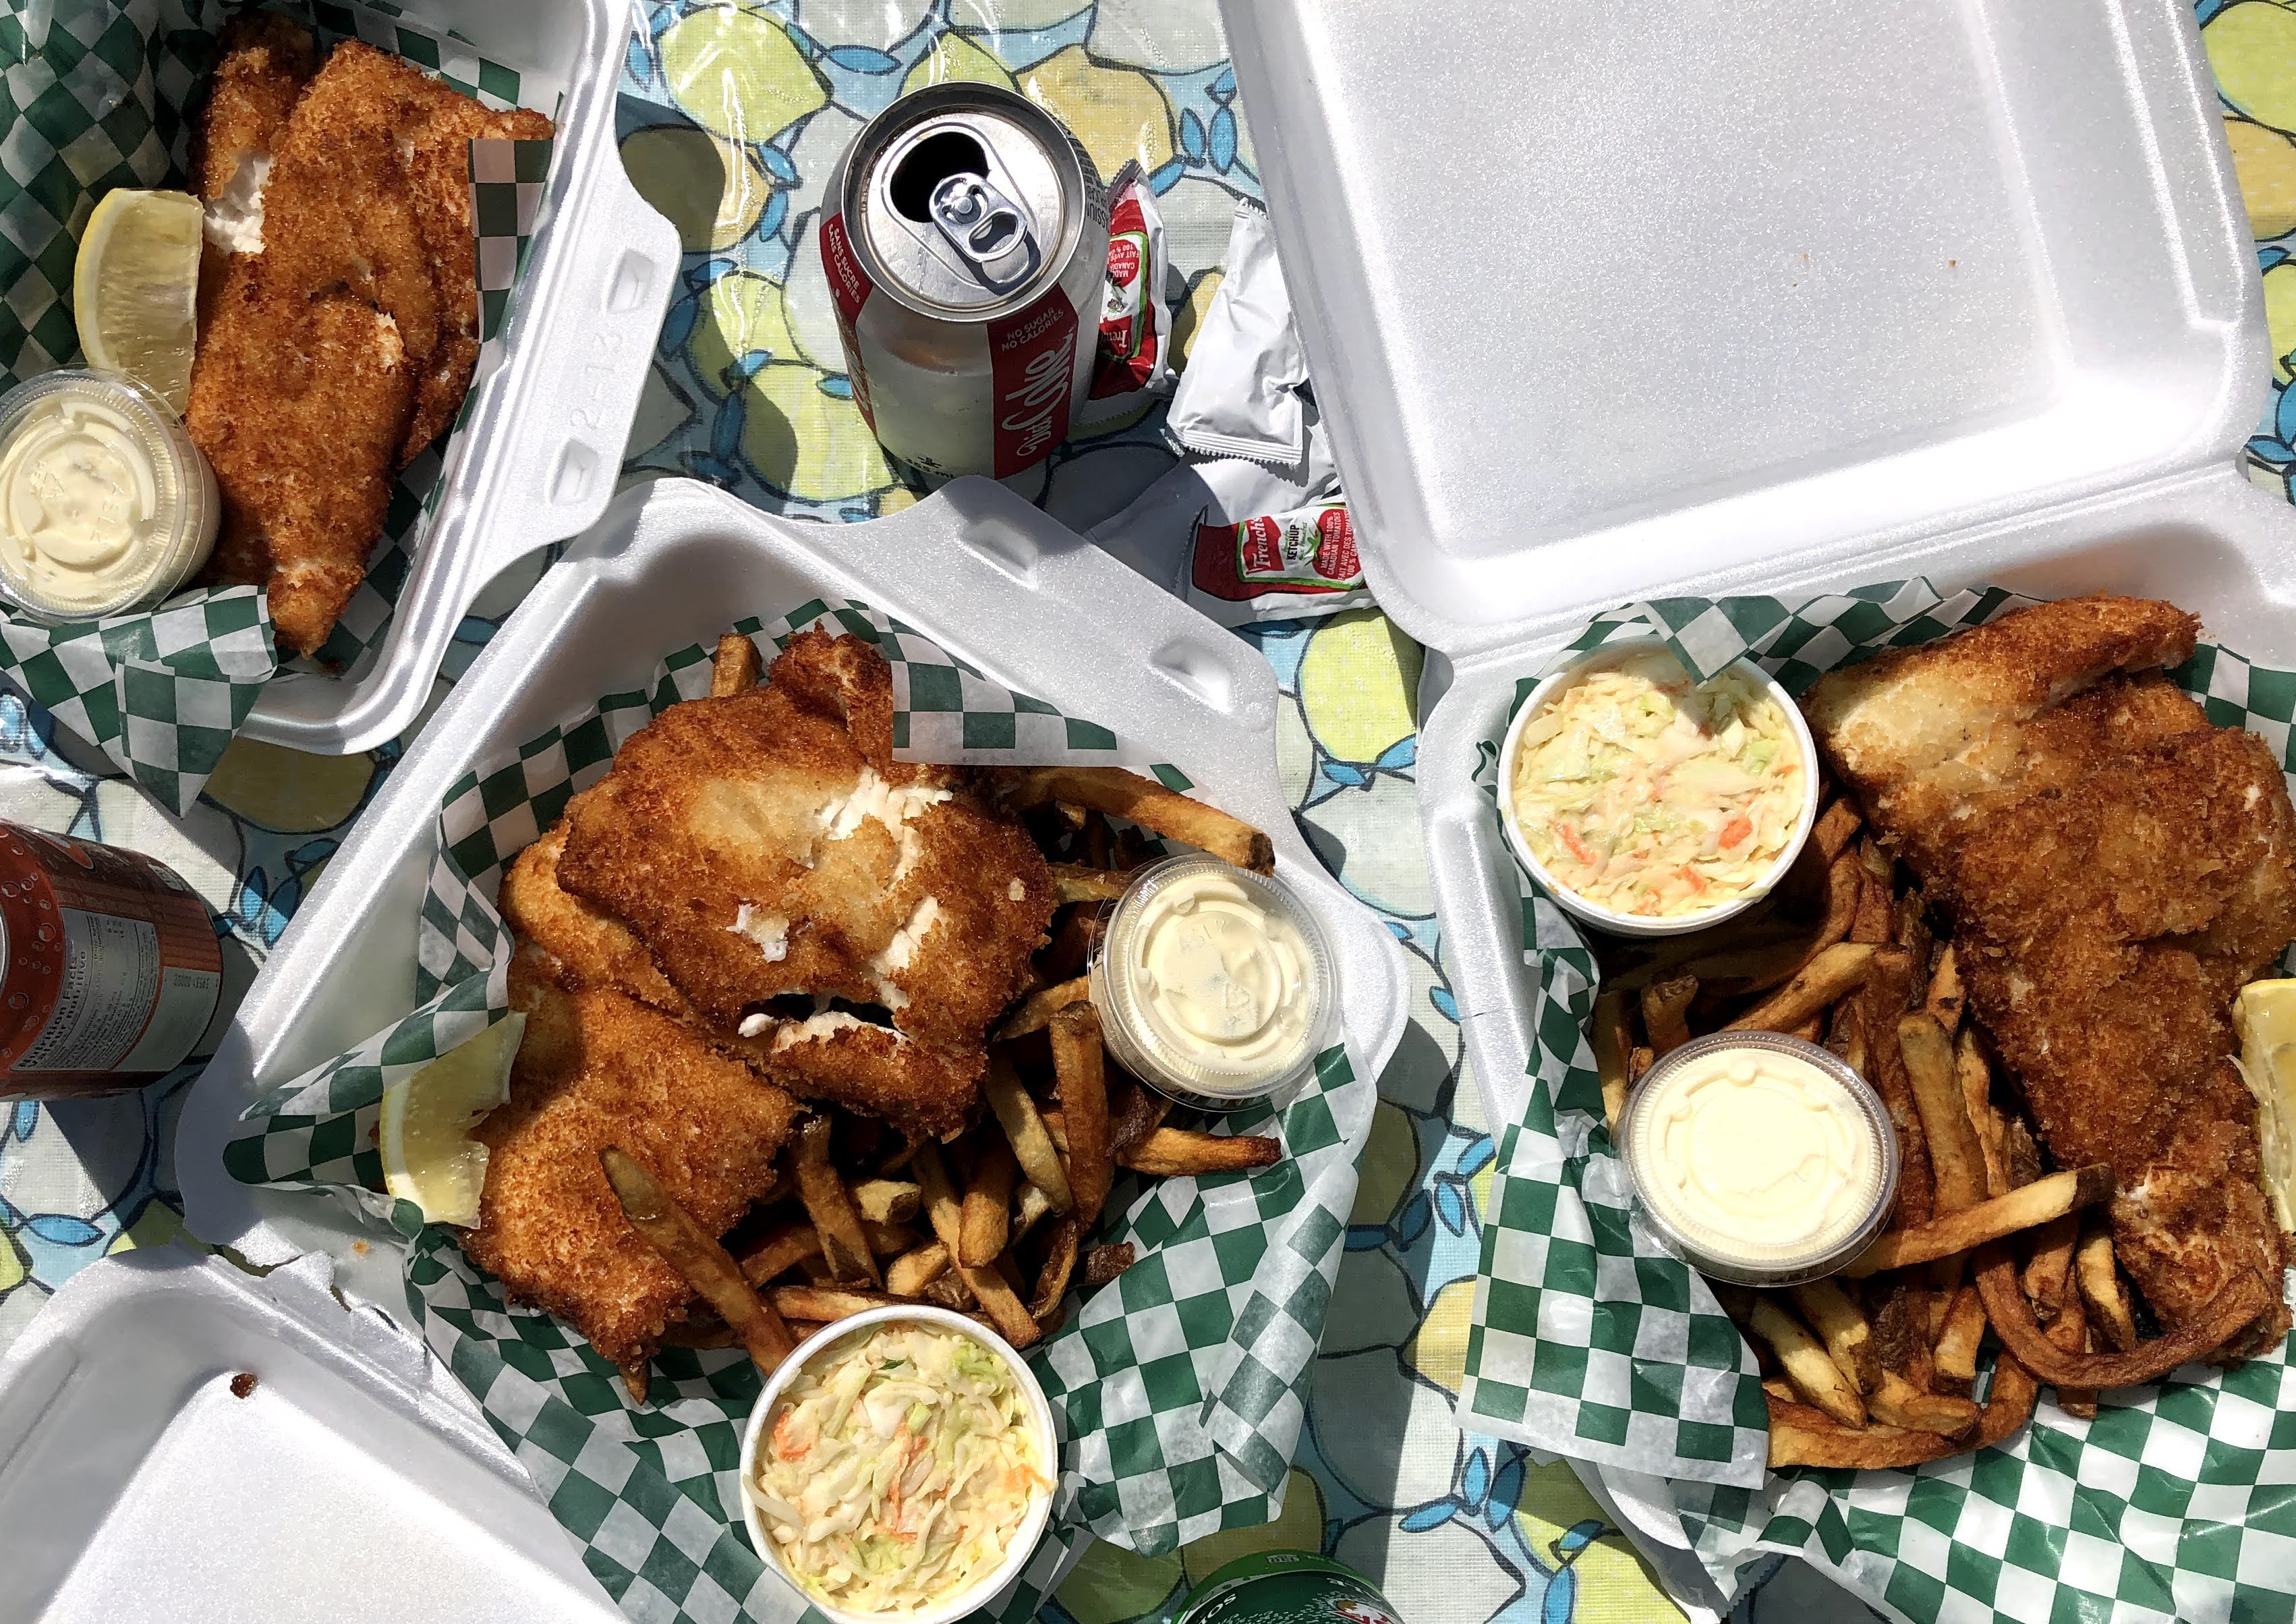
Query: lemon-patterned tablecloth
(731, 119)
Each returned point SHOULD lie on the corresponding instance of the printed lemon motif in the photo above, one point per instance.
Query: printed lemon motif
(1113, 1583)
(157, 1224)
(12, 1264)
(807, 443)
(1438, 1349)
(895, 499)
(2280, 315)
(1301, 1527)
(742, 312)
(738, 73)
(2252, 46)
(955, 58)
(1117, 113)
(1390, 1166)
(1190, 315)
(1554, 1501)
(2266, 162)
(287, 790)
(1359, 684)
(710, 189)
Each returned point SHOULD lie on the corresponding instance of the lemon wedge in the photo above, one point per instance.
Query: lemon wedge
(2264, 1015)
(135, 289)
(429, 1157)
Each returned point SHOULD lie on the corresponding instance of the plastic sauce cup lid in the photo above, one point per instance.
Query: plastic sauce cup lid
(1757, 1265)
(186, 508)
(1142, 1040)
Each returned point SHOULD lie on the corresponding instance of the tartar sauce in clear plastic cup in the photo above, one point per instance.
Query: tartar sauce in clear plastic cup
(1213, 983)
(105, 505)
(1759, 1157)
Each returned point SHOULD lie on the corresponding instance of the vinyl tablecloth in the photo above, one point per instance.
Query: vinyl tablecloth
(747, 391)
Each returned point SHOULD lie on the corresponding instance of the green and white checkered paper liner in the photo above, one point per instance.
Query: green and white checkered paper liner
(1180, 1387)
(94, 95)
(1589, 1340)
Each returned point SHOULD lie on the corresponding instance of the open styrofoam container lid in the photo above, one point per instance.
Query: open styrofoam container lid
(1652, 294)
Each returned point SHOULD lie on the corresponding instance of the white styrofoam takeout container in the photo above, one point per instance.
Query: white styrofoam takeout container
(544, 443)
(1032, 1529)
(1735, 296)
(990, 577)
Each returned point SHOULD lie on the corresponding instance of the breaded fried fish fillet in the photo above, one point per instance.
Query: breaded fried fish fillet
(353, 216)
(766, 846)
(2117, 867)
(594, 1070)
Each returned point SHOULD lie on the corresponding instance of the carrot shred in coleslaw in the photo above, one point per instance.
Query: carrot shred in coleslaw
(899, 1466)
(1647, 793)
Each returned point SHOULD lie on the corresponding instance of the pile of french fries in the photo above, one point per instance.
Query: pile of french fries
(997, 1223)
(1878, 1366)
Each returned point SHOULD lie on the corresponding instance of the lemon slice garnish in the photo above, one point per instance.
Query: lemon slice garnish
(2264, 1017)
(429, 1157)
(135, 289)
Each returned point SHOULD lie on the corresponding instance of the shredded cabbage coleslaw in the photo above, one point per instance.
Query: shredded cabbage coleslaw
(1648, 794)
(898, 1468)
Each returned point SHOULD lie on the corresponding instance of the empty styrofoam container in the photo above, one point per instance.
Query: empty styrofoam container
(540, 449)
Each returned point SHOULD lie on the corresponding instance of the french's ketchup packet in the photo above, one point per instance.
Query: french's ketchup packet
(1134, 357)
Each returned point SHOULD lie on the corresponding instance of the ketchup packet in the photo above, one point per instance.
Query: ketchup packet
(1242, 542)
(1134, 359)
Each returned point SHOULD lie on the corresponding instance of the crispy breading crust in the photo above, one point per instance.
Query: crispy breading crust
(265, 61)
(2116, 868)
(595, 1068)
(367, 271)
(783, 807)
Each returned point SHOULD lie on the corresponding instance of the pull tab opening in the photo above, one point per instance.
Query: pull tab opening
(935, 159)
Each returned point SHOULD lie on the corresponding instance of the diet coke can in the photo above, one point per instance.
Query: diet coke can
(966, 242)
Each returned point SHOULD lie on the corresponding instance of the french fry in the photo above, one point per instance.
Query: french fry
(1809, 1030)
(707, 1332)
(1147, 803)
(1004, 1308)
(1066, 956)
(1079, 1064)
(1955, 1159)
(909, 1274)
(2046, 1270)
(947, 1291)
(843, 1245)
(1037, 1009)
(2242, 1299)
(2070, 1331)
(734, 668)
(1876, 909)
(1613, 1045)
(1988, 1220)
(1976, 1080)
(1134, 1110)
(1847, 1334)
(1095, 829)
(1024, 1127)
(1074, 882)
(696, 1256)
(1028, 1212)
(1639, 1062)
(1665, 1010)
(1839, 970)
(1171, 1153)
(1954, 1360)
(1946, 996)
(780, 1250)
(1807, 1366)
(1898, 1403)
(1104, 1264)
(1834, 828)
(1059, 1263)
(2111, 1317)
(885, 1201)
(1780, 1389)
(829, 1303)
(1845, 883)
(1800, 1436)
(987, 1212)
(1887, 994)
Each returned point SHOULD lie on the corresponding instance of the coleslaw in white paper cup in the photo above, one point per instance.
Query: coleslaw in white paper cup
(877, 1423)
(1667, 775)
